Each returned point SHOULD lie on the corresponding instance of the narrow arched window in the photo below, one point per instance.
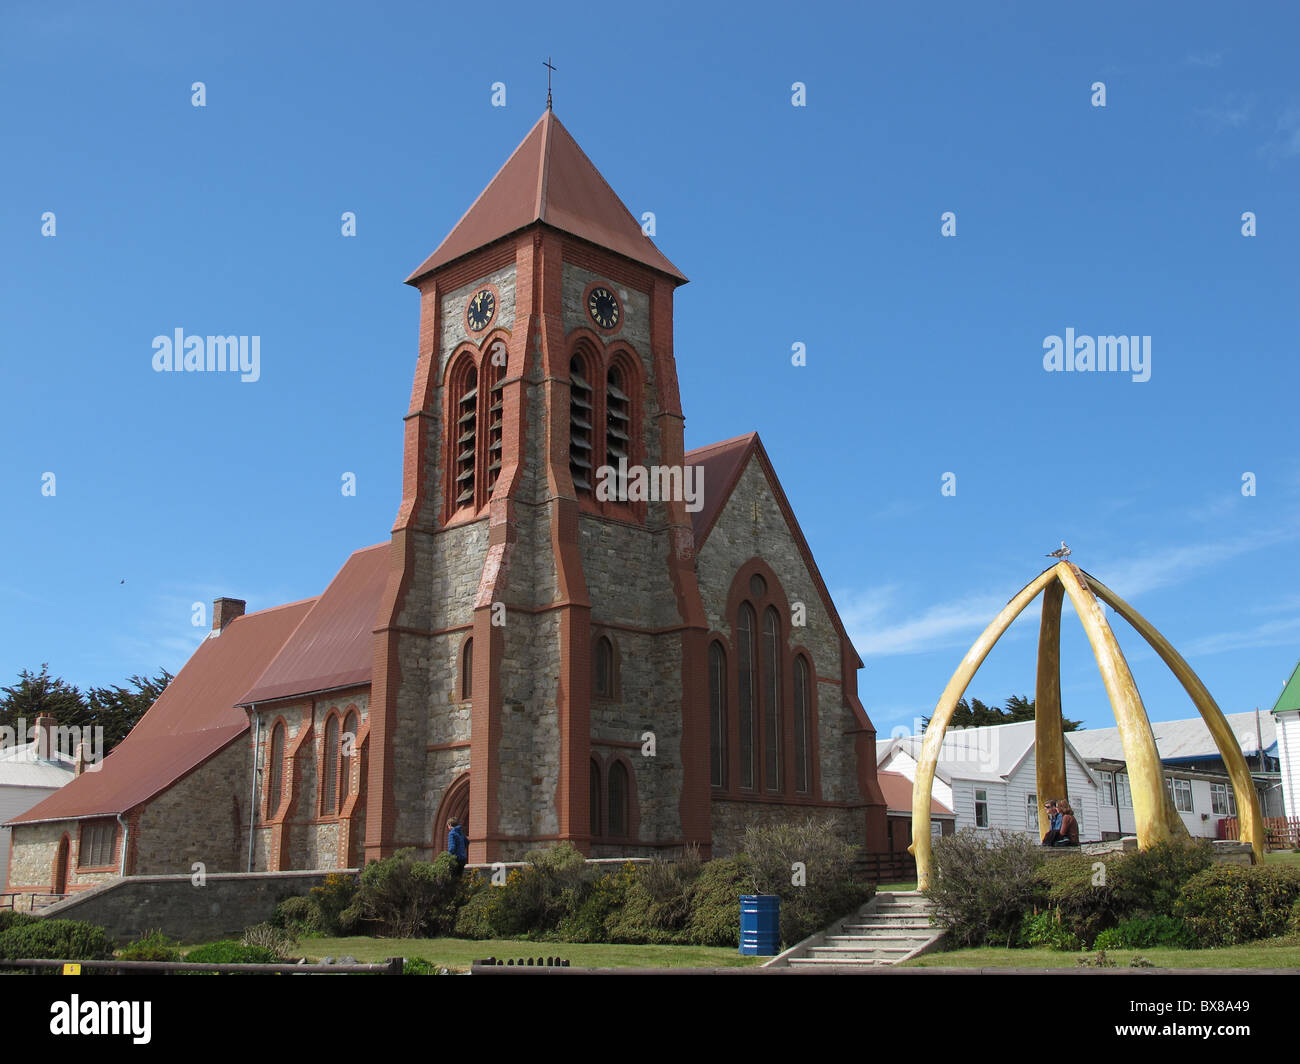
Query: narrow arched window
(329, 774)
(348, 744)
(618, 418)
(495, 419)
(618, 791)
(773, 731)
(593, 797)
(745, 692)
(603, 678)
(467, 671)
(717, 715)
(466, 430)
(802, 713)
(581, 433)
(275, 770)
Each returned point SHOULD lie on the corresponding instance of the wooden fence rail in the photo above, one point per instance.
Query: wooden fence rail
(1281, 833)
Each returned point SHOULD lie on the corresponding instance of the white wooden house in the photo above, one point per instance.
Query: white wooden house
(29, 773)
(1286, 744)
(1195, 775)
(986, 776)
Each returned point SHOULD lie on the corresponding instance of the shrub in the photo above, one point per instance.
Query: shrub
(1099, 961)
(484, 913)
(48, 939)
(657, 905)
(154, 946)
(1146, 932)
(12, 918)
(228, 951)
(419, 966)
(1045, 930)
(715, 902)
(1228, 904)
(402, 897)
(333, 898)
(276, 939)
(1148, 882)
(831, 884)
(981, 890)
(1080, 893)
(301, 915)
(591, 920)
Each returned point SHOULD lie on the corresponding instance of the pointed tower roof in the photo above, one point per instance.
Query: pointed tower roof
(1290, 696)
(549, 179)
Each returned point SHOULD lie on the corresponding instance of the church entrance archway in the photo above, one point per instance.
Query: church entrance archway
(454, 806)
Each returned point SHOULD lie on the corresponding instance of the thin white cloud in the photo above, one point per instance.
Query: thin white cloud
(1204, 59)
(1270, 634)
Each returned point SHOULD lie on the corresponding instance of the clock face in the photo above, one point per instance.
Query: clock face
(480, 310)
(603, 307)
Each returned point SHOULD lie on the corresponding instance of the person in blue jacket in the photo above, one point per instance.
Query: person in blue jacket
(457, 843)
(1053, 823)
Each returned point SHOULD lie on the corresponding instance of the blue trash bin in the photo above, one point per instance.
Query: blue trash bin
(760, 925)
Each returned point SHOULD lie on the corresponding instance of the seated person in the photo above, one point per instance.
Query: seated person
(1068, 833)
(1053, 823)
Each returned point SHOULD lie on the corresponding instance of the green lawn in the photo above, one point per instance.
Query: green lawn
(460, 953)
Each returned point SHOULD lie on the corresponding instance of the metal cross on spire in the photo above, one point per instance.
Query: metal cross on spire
(549, 68)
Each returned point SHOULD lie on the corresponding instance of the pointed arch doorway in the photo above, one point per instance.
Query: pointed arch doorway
(454, 806)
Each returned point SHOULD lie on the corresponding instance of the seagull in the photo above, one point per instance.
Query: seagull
(1062, 552)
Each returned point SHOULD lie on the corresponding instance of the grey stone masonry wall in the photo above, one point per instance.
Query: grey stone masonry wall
(454, 330)
(751, 525)
(202, 818)
(222, 907)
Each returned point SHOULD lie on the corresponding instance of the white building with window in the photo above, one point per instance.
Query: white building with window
(1195, 775)
(29, 773)
(1286, 748)
(987, 777)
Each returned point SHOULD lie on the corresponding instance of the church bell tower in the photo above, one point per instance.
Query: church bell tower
(540, 654)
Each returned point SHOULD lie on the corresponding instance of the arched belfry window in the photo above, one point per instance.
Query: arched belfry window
(773, 731)
(466, 435)
(495, 420)
(618, 417)
(275, 770)
(582, 452)
(802, 709)
(746, 691)
(603, 668)
(717, 715)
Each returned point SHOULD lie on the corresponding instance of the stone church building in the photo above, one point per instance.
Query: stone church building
(544, 648)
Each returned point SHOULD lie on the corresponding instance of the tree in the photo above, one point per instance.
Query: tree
(975, 714)
(116, 709)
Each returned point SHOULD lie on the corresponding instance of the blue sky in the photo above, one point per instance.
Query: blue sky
(817, 225)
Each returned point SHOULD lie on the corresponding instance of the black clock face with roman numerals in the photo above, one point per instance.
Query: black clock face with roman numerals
(603, 307)
(480, 310)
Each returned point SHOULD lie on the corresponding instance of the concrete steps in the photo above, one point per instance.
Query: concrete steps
(890, 928)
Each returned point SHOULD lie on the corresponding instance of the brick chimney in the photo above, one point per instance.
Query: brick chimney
(44, 738)
(225, 610)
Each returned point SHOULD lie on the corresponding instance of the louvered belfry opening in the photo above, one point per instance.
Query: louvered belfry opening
(495, 420)
(466, 433)
(618, 418)
(581, 438)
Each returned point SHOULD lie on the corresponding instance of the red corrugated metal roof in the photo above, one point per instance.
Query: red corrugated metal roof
(333, 646)
(549, 179)
(897, 789)
(193, 718)
(721, 465)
